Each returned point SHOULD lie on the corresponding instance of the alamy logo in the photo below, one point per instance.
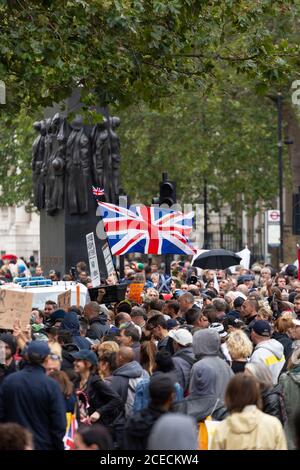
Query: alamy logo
(2, 92)
(296, 93)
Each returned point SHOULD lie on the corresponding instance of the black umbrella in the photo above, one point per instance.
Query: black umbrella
(216, 259)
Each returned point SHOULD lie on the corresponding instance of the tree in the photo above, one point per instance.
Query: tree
(122, 51)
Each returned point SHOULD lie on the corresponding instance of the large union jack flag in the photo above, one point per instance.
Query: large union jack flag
(151, 230)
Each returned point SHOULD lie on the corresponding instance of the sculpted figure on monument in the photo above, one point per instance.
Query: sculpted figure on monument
(115, 159)
(78, 168)
(38, 154)
(54, 188)
(100, 152)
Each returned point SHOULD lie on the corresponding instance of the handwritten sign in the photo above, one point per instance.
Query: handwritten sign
(64, 300)
(135, 292)
(15, 306)
(93, 260)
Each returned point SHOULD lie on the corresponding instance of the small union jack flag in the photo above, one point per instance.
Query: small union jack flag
(98, 191)
(72, 426)
(142, 229)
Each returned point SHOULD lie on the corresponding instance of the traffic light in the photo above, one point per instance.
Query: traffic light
(167, 191)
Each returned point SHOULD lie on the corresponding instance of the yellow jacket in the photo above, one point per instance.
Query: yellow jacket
(249, 430)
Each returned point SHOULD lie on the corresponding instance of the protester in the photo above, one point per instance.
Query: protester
(94, 437)
(267, 350)
(157, 325)
(240, 349)
(165, 435)
(71, 323)
(202, 400)
(50, 307)
(130, 336)
(183, 358)
(147, 356)
(245, 428)
(290, 382)
(9, 366)
(126, 377)
(15, 437)
(107, 365)
(98, 402)
(273, 402)
(97, 321)
(206, 347)
(282, 326)
(139, 425)
(39, 408)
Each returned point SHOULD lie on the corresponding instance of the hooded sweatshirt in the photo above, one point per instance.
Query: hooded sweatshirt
(202, 400)
(249, 430)
(122, 375)
(138, 427)
(270, 353)
(165, 435)
(206, 345)
(291, 390)
(71, 323)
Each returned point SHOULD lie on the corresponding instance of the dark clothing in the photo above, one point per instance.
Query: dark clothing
(286, 342)
(137, 351)
(139, 426)
(238, 366)
(71, 323)
(235, 314)
(122, 375)
(98, 327)
(102, 398)
(35, 401)
(67, 359)
(273, 403)
(166, 343)
(183, 360)
(250, 321)
(7, 370)
(200, 407)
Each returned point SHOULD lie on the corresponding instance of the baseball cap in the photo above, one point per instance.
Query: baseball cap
(181, 336)
(262, 328)
(219, 328)
(238, 302)
(86, 355)
(38, 348)
(172, 323)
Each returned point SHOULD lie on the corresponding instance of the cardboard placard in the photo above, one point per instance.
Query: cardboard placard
(135, 292)
(15, 306)
(64, 300)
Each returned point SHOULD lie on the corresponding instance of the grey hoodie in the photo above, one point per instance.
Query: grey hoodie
(206, 345)
(174, 431)
(271, 354)
(122, 375)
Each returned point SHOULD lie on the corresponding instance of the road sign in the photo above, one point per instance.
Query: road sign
(274, 216)
(273, 228)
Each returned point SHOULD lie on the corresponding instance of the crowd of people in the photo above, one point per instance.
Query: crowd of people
(206, 349)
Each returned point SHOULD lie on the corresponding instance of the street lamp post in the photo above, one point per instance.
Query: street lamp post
(280, 172)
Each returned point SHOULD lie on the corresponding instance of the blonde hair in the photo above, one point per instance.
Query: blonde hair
(283, 324)
(265, 314)
(107, 346)
(239, 345)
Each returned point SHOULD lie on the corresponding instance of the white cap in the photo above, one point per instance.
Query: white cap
(181, 336)
(296, 322)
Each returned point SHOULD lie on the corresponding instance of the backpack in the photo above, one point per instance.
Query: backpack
(132, 385)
